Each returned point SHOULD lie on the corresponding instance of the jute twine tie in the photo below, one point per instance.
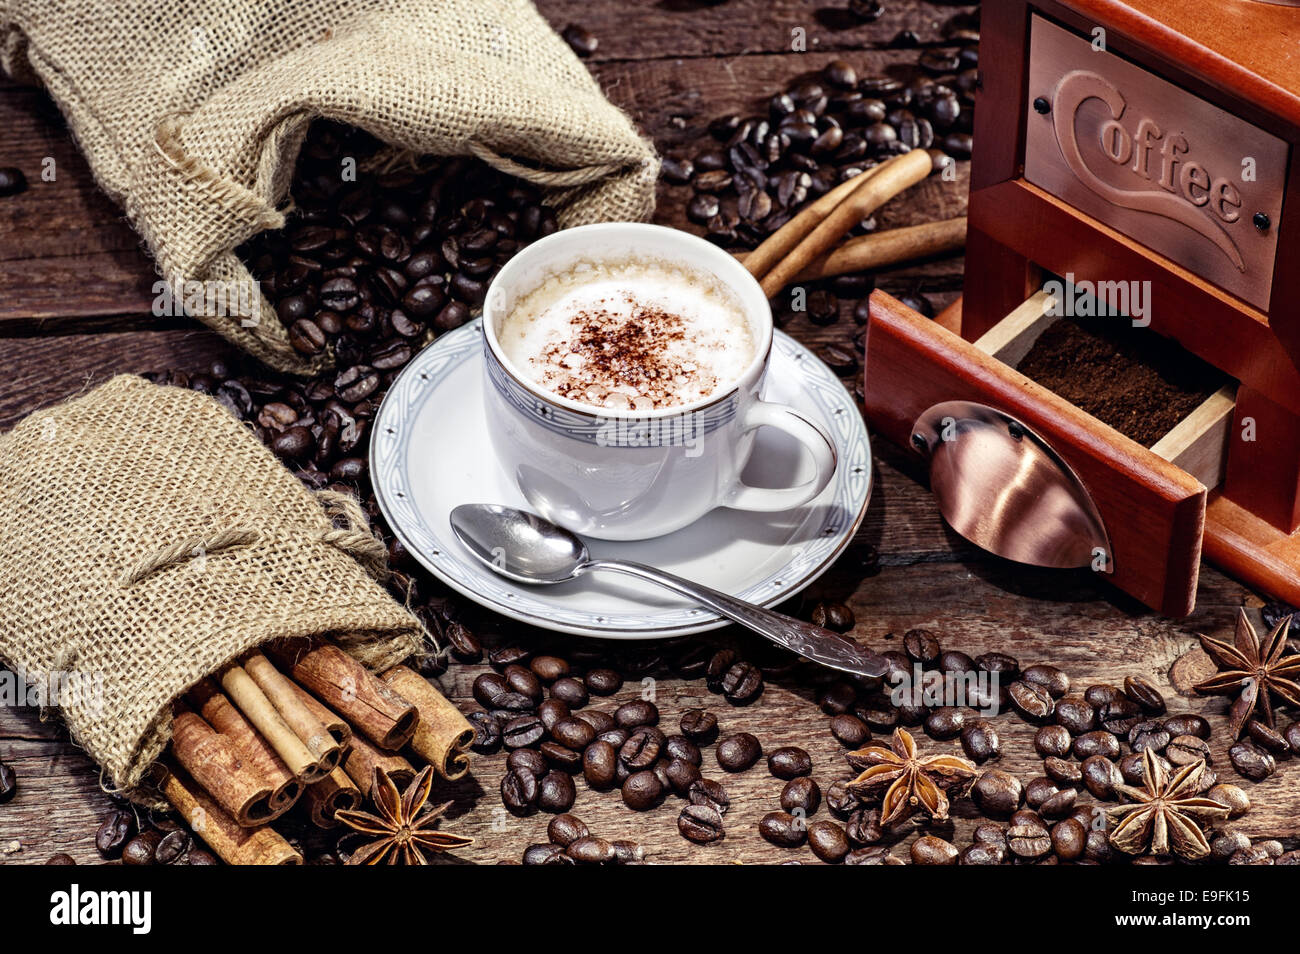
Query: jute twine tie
(351, 535)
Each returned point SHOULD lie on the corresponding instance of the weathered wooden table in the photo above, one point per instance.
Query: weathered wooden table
(74, 308)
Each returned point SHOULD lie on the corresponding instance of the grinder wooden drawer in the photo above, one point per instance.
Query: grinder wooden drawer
(1153, 510)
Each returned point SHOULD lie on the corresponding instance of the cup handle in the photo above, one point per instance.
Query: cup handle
(784, 418)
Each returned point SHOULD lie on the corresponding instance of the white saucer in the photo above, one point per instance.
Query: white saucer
(429, 452)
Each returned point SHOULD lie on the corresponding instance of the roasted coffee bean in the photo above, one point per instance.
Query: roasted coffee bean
(523, 681)
(562, 758)
(705, 791)
(997, 793)
(783, 829)
(1186, 749)
(12, 181)
(824, 309)
(702, 208)
(487, 732)
(581, 40)
(603, 682)
(863, 826)
(1150, 734)
(599, 721)
(677, 170)
(1143, 691)
(116, 829)
(1040, 790)
(8, 782)
(1069, 839)
(640, 751)
(1052, 740)
(1005, 666)
(837, 698)
(801, 796)
(60, 858)
(1266, 737)
(142, 849)
(1095, 743)
(1188, 724)
(980, 740)
(1049, 677)
(1061, 771)
(628, 852)
(548, 668)
(1100, 694)
(1033, 702)
(552, 712)
(571, 691)
(1059, 804)
(681, 774)
(932, 850)
(1232, 797)
(591, 850)
(944, 723)
(642, 791)
(828, 841)
(738, 752)
(981, 854)
(718, 666)
(548, 854)
(527, 760)
(1100, 776)
(519, 791)
(556, 792)
(1249, 760)
(952, 660)
(699, 725)
(680, 747)
(573, 733)
(921, 646)
(840, 800)
(789, 762)
(1076, 715)
(834, 616)
(742, 683)
(1027, 836)
(522, 731)
(600, 764)
(638, 713)
(700, 824)
(850, 731)
(1119, 715)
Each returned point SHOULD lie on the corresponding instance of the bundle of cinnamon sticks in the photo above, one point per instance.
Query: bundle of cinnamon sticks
(804, 249)
(299, 722)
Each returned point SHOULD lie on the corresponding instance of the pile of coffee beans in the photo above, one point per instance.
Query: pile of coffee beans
(138, 838)
(572, 843)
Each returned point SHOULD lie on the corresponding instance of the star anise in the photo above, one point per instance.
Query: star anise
(1254, 672)
(908, 781)
(403, 832)
(1164, 813)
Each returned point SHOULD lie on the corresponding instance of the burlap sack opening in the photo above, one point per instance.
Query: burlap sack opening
(192, 112)
(147, 538)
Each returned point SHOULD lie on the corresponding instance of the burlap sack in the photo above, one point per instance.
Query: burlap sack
(146, 538)
(191, 113)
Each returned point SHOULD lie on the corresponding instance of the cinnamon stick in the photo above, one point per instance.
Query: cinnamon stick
(351, 690)
(297, 714)
(363, 758)
(891, 178)
(232, 843)
(782, 242)
(867, 252)
(327, 796)
(214, 762)
(252, 702)
(212, 704)
(334, 724)
(443, 734)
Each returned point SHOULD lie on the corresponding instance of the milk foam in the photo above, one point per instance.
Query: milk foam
(629, 335)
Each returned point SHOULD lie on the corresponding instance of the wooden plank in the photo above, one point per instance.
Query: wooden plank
(39, 371)
(709, 28)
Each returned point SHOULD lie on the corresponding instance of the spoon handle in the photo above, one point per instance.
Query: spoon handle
(817, 643)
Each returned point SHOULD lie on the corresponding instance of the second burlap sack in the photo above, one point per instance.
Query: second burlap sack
(191, 113)
(146, 539)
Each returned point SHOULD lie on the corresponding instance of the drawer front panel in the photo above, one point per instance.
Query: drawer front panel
(1154, 512)
(1169, 170)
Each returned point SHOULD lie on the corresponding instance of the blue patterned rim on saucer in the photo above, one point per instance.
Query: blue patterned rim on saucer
(821, 394)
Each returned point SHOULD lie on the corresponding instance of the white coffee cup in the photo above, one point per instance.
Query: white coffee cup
(633, 475)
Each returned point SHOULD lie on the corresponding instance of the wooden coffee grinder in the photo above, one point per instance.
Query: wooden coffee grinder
(1119, 143)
